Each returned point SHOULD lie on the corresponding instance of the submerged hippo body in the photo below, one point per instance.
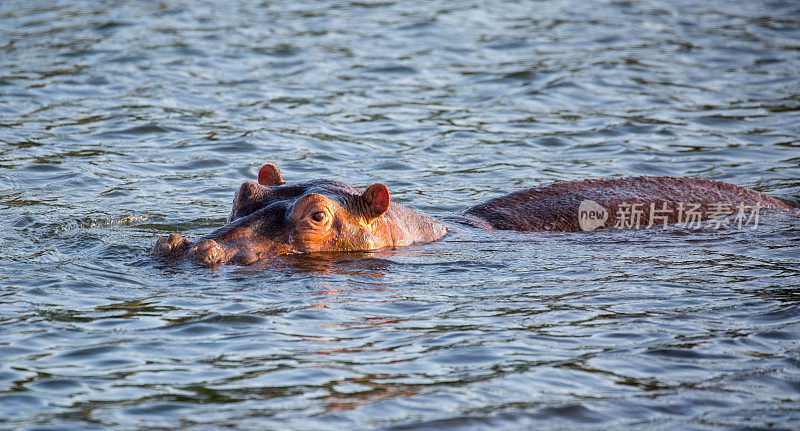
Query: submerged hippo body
(274, 218)
(641, 201)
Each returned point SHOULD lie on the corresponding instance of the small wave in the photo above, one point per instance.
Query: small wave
(100, 222)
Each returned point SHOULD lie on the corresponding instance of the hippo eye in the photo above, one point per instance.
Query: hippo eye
(318, 216)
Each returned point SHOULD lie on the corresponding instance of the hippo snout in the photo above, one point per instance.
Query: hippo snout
(208, 252)
(170, 247)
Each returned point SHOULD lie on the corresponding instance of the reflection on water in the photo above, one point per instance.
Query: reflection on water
(121, 122)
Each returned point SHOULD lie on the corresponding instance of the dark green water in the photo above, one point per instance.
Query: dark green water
(122, 121)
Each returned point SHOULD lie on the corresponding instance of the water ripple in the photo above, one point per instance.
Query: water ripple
(122, 122)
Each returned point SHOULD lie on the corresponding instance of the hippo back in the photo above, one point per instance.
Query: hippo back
(555, 207)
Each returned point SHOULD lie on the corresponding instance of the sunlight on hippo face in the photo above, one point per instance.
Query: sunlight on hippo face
(312, 219)
(338, 222)
(272, 218)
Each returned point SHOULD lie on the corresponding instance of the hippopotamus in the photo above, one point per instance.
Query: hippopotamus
(273, 217)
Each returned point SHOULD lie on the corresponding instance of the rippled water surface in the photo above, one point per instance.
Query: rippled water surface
(122, 121)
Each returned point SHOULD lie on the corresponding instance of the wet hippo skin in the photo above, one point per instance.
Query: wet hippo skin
(272, 217)
(555, 206)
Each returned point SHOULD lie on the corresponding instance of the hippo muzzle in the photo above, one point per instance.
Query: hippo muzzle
(257, 236)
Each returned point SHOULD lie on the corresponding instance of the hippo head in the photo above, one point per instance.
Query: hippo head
(271, 218)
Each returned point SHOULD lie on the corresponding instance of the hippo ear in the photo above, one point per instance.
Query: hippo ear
(269, 175)
(377, 198)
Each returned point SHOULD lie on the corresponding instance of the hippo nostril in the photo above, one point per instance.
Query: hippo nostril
(171, 246)
(208, 252)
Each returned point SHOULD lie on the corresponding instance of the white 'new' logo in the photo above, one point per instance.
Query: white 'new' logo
(591, 215)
